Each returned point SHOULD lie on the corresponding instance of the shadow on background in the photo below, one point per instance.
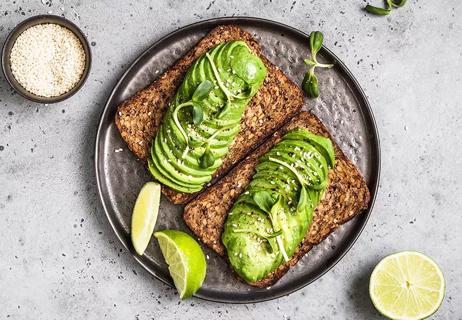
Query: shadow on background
(359, 292)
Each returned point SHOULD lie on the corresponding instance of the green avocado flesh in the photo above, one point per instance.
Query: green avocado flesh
(204, 116)
(272, 216)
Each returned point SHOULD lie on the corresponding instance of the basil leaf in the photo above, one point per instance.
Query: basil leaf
(202, 91)
(207, 159)
(264, 200)
(316, 39)
(376, 10)
(310, 84)
(197, 114)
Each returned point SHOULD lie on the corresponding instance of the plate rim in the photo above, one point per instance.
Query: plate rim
(213, 22)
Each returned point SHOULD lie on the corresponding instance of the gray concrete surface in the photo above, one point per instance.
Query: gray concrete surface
(59, 258)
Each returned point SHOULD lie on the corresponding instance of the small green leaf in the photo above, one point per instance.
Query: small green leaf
(202, 91)
(264, 200)
(207, 159)
(396, 3)
(310, 84)
(197, 114)
(316, 39)
(376, 10)
(309, 62)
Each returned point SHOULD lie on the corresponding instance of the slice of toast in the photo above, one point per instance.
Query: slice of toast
(278, 100)
(346, 196)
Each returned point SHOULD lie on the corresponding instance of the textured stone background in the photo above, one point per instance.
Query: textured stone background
(59, 257)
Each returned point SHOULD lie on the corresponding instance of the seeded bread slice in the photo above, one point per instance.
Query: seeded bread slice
(278, 100)
(346, 196)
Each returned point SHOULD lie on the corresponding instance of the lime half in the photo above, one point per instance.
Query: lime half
(185, 259)
(144, 216)
(407, 285)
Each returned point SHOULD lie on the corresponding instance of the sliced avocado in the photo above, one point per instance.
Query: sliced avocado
(181, 142)
(322, 144)
(192, 162)
(294, 171)
(305, 167)
(249, 251)
(171, 171)
(316, 162)
(162, 166)
(178, 163)
(161, 178)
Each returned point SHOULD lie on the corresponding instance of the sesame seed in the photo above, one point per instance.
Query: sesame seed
(47, 59)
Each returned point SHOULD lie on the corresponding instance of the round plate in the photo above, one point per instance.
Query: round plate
(342, 107)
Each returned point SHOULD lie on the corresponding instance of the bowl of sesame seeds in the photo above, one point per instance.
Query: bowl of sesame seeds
(46, 58)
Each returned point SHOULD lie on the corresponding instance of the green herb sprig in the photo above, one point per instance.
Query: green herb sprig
(385, 11)
(310, 81)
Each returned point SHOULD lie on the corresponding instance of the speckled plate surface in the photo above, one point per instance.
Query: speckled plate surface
(342, 107)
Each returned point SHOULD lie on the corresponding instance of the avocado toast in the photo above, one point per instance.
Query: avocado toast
(277, 100)
(204, 116)
(271, 217)
(345, 196)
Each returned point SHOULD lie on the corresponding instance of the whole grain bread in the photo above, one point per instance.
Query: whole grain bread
(278, 100)
(346, 196)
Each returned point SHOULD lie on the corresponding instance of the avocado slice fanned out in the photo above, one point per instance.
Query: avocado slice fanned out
(272, 216)
(204, 116)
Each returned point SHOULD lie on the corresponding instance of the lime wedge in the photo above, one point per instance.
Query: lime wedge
(145, 215)
(407, 285)
(185, 259)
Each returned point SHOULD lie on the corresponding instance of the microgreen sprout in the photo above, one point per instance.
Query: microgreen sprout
(310, 81)
(385, 11)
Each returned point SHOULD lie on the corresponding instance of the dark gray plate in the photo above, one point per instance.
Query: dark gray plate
(342, 107)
